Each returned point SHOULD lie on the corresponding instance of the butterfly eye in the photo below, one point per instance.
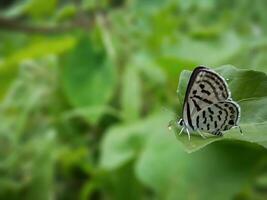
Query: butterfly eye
(181, 122)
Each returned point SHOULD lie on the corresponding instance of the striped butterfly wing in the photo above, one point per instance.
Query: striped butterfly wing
(205, 88)
(217, 117)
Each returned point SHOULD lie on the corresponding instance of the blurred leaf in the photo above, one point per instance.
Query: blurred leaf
(37, 49)
(203, 52)
(96, 4)
(88, 190)
(175, 174)
(36, 8)
(43, 167)
(16, 9)
(5, 79)
(123, 184)
(131, 94)
(91, 4)
(124, 142)
(149, 5)
(91, 113)
(145, 63)
(200, 4)
(162, 165)
(40, 8)
(248, 88)
(32, 90)
(42, 48)
(27, 152)
(88, 77)
(66, 13)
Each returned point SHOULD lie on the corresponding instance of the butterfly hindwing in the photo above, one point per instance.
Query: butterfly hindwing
(218, 117)
(205, 88)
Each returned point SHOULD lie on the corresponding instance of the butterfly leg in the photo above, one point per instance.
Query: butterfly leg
(181, 131)
(200, 133)
(187, 131)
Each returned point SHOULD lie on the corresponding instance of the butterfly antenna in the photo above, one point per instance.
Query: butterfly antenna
(188, 134)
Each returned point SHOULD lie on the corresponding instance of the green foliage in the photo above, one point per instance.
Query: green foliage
(27, 164)
(81, 77)
(84, 89)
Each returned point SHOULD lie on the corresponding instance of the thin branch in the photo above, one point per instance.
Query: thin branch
(20, 26)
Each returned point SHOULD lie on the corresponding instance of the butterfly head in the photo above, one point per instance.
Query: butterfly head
(180, 122)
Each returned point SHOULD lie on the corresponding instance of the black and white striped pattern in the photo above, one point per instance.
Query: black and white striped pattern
(208, 106)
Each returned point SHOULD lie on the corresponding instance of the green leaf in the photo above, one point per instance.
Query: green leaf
(38, 49)
(248, 88)
(151, 70)
(88, 77)
(35, 8)
(175, 174)
(123, 184)
(202, 51)
(16, 9)
(91, 113)
(124, 142)
(162, 165)
(41, 8)
(66, 13)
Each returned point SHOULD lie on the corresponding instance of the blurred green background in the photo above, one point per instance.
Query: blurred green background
(84, 87)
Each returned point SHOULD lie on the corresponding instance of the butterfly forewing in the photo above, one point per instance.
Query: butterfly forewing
(218, 117)
(205, 88)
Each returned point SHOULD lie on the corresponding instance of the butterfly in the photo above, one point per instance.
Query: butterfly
(208, 106)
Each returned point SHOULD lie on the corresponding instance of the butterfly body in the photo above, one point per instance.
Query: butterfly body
(208, 106)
